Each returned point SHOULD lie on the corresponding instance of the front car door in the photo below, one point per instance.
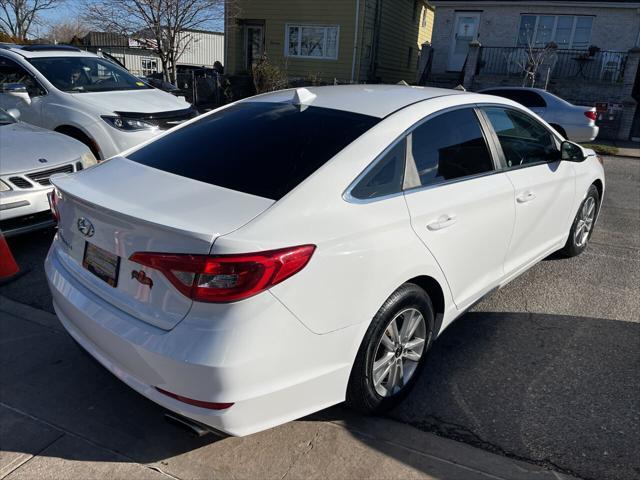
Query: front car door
(544, 185)
(12, 72)
(461, 209)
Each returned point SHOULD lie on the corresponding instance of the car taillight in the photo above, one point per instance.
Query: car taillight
(591, 115)
(53, 197)
(227, 278)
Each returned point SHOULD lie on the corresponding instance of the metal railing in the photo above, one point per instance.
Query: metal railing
(601, 65)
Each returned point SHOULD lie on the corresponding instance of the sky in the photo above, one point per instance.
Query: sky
(70, 9)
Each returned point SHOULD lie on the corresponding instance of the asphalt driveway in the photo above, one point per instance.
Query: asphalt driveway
(544, 370)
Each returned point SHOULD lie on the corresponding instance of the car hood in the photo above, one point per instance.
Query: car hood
(139, 101)
(23, 145)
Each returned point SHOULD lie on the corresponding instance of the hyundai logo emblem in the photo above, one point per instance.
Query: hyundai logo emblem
(42, 160)
(86, 227)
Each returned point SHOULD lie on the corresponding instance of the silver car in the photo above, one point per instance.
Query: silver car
(29, 155)
(573, 122)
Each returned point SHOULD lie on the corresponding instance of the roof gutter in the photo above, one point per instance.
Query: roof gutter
(355, 42)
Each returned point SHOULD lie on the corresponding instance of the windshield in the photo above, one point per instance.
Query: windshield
(5, 118)
(86, 74)
(265, 149)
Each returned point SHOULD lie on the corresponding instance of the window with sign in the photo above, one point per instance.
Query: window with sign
(149, 66)
(567, 31)
(312, 41)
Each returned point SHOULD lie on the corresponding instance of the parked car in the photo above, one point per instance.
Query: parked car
(573, 122)
(29, 156)
(245, 280)
(85, 96)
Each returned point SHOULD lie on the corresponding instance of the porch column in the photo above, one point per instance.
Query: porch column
(471, 64)
(629, 103)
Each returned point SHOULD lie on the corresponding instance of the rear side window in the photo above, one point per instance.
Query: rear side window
(524, 97)
(265, 149)
(385, 178)
(450, 146)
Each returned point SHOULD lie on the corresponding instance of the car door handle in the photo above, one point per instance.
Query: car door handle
(442, 222)
(526, 197)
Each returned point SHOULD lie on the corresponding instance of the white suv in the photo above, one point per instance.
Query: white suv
(86, 97)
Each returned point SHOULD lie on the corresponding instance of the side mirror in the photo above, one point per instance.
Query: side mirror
(14, 112)
(17, 90)
(571, 152)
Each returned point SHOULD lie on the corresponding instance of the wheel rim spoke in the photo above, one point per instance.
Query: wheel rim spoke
(410, 324)
(386, 342)
(393, 331)
(381, 369)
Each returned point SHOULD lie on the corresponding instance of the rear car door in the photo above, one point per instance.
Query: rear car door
(544, 185)
(460, 207)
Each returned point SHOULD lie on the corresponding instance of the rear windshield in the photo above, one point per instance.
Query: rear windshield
(261, 148)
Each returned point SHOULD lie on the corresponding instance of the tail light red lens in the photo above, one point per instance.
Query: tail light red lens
(227, 278)
(53, 203)
(591, 115)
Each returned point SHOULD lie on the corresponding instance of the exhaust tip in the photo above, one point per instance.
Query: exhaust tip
(193, 428)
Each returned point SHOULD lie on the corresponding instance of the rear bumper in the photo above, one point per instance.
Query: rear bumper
(252, 353)
(581, 133)
(22, 212)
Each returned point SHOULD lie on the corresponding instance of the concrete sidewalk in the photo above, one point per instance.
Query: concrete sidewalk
(61, 416)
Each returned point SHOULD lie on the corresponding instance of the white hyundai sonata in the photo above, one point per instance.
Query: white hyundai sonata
(304, 247)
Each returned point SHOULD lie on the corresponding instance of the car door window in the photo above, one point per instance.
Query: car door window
(386, 176)
(448, 147)
(11, 72)
(526, 98)
(524, 140)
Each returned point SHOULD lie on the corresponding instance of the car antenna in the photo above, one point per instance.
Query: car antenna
(303, 98)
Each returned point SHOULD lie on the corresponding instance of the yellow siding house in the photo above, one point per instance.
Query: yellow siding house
(348, 41)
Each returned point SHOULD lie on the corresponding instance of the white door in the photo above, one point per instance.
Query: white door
(466, 30)
(462, 209)
(544, 185)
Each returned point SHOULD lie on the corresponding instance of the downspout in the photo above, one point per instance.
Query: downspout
(355, 42)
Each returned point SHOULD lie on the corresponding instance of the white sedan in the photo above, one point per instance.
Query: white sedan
(300, 248)
(574, 122)
(29, 156)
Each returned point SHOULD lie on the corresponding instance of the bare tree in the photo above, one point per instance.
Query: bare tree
(531, 58)
(161, 25)
(65, 31)
(17, 17)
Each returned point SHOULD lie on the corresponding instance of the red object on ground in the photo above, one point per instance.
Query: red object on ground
(8, 265)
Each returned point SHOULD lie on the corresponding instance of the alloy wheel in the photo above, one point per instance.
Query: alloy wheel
(585, 222)
(399, 351)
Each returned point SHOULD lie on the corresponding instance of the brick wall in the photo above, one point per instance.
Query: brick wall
(613, 28)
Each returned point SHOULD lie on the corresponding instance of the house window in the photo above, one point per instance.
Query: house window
(149, 66)
(567, 31)
(424, 18)
(312, 41)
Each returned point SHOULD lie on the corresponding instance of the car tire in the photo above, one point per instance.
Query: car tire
(369, 392)
(583, 223)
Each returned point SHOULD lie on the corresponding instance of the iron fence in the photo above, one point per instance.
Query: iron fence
(593, 65)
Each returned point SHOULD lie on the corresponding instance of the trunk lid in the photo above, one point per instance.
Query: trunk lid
(122, 207)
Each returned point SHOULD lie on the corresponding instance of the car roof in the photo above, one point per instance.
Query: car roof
(36, 51)
(374, 100)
